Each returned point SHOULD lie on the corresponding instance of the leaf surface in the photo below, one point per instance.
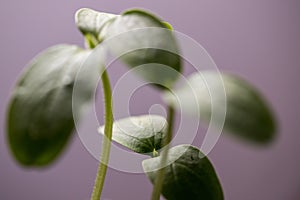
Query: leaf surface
(40, 116)
(142, 134)
(91, 22)
(144, 41)
(188, 175)
(247, 116)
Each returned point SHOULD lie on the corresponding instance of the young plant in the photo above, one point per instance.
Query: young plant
(40, 116)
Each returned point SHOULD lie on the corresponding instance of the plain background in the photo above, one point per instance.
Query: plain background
(257, 39)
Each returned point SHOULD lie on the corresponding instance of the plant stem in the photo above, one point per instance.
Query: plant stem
(164, 156)
(106, 143)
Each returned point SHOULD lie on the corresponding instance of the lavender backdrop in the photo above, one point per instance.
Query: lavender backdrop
(258, 39)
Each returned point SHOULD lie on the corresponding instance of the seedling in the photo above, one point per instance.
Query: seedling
(40, 113)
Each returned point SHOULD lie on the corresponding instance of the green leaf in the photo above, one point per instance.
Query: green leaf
(142, 39)
(142, 134)
(248, 115)
(188, 175)
(91, 22)
(168, 25)
(40, 117)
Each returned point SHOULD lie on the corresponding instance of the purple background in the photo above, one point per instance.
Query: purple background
(258, 39)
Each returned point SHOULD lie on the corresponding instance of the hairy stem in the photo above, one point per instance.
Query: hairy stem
(102, 168)
(164, 155)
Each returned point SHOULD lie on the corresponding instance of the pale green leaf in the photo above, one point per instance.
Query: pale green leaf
(141, 134)
(248, 115)
(91, 22)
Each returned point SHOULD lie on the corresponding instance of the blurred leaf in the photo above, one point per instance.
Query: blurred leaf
(153, 49)
(91, 22)
(40, 117)
(247, 113)
(189, 175)
(141, 134)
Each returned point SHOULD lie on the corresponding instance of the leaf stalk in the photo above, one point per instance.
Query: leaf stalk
(164, 156)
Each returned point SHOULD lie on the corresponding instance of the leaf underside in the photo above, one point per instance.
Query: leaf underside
(142, 134)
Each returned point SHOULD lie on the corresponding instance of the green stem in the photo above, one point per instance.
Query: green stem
(164, 155)
(106, 143)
